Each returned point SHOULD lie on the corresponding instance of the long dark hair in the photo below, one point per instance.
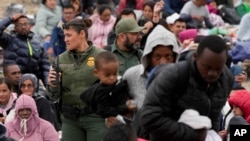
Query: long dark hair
(4, 80)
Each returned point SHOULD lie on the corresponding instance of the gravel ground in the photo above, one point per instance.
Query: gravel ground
(29, 6)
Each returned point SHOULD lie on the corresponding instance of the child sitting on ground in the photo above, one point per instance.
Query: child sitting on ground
(110, 96)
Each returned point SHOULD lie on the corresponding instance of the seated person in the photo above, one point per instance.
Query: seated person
(110, 96)
(27, 125)
(148, 8)
(196, 14)
(7, 98)
(28, 86)
(214, 16)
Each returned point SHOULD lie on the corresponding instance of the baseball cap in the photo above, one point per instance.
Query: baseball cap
(127, 25)
(172, 18)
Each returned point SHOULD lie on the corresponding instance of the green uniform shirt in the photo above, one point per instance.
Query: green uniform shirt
(126, 59)
(77, 76)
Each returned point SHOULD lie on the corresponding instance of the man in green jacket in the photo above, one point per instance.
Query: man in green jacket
(127, 37)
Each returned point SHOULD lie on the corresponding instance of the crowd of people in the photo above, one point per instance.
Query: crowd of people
(124, 70)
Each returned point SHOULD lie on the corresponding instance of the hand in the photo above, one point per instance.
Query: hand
(147, 26)
(223, 134)
(52, 77)
(16, 16)
(187, 42)
(111, 121)
(159, 6)
(131, 105)
(198, 18)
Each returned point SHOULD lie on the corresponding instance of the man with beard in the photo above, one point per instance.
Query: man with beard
(22, 48)
(127, 37)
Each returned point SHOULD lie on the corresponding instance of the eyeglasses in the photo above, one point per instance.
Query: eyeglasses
(29, 86)
(22, 24)
(66, 26)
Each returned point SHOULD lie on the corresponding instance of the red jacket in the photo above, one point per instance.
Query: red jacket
(241, 99)
(123, 5)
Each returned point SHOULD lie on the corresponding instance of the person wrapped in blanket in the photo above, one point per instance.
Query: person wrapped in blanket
(110, 96)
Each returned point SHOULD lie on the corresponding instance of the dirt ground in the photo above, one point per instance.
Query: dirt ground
(29, 5)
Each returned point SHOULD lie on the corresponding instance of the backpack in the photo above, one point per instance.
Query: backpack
(229, 14)
(242, 9)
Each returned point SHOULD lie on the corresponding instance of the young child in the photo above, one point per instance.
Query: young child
(148, 8)
(110, 96)
(240, 103)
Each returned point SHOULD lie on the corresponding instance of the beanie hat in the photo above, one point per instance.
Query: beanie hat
(187, 34)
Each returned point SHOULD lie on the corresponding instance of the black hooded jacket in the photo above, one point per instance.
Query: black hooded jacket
(177, 88)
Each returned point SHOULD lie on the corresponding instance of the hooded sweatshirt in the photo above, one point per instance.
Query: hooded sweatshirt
(99, 38)
(6, 108)
(137, 76)
(32, 128)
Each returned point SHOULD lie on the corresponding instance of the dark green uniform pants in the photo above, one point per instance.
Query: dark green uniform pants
(87, 128)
